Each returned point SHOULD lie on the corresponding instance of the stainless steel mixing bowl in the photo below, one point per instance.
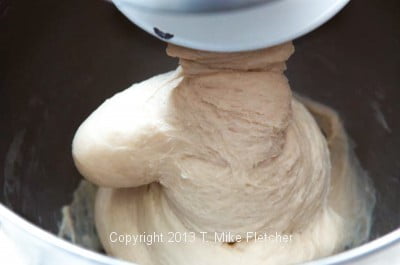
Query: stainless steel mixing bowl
(59, 60)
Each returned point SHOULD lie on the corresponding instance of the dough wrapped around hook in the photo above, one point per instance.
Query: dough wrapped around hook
(221, 145)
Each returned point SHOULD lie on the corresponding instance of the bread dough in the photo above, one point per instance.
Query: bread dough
(77, 223)
(220, 145)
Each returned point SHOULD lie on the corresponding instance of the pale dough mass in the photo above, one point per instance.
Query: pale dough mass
(222, 145)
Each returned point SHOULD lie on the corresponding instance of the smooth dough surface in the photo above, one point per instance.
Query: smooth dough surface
(221, 145)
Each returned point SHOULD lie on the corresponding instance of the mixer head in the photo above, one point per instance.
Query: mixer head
(229, 25)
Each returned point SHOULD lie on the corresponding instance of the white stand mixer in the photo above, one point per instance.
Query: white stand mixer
(229, 25)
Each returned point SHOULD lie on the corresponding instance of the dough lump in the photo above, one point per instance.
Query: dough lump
(221, 145)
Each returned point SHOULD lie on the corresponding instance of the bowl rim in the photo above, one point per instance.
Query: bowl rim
(68, 248)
